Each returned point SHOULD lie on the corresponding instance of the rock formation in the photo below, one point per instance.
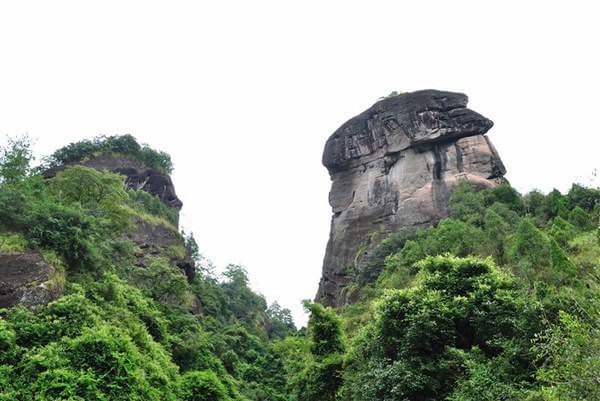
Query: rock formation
(395, 166)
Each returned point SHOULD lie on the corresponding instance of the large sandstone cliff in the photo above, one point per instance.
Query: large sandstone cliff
(395, 166)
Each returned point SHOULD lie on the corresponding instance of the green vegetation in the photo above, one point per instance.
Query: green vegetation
(392, 94)
(124, 330)
(498, 302)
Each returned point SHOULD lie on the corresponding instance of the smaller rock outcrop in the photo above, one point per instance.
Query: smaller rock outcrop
(152, 239)
(26, 279)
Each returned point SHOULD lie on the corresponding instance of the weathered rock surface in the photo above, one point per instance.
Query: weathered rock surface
(161, 241)
(395, 166)
(26, 279)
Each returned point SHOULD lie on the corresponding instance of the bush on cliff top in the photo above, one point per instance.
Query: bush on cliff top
(120, 144)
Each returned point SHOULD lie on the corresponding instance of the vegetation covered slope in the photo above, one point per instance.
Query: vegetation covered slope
(121, 331)
(498, 302)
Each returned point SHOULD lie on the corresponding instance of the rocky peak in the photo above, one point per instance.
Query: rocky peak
(394, 166)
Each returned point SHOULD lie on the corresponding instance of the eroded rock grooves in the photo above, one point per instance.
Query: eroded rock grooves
(395, 166)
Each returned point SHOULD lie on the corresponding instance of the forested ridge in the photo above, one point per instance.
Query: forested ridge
(498, 302)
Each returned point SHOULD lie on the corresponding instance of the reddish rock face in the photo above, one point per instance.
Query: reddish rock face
(395, 166)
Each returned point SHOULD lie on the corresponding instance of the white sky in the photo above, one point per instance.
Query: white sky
(244, 94)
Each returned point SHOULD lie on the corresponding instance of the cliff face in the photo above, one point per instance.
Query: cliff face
(395, 166)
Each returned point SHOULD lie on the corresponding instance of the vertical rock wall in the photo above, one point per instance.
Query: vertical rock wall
(395, 166)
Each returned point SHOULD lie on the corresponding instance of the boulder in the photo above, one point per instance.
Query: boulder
(161, 241)
(26, 279)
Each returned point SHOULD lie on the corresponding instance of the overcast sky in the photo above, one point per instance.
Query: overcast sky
(244, 94)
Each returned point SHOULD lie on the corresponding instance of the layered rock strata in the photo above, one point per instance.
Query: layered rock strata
(394, 166)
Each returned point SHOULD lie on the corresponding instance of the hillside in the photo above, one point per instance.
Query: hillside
(104, 298)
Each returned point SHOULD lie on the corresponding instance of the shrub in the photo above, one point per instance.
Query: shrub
(570, 352)
(581, 218)
(413, 349)
(151, 204)
(466, 204)
(14, 160)
(202, 386)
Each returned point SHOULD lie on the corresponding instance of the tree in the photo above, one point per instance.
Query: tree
(202, 386)
(15, 159)
(497, 230)
(581, 218)
(586, 198)
(120, 144)
(322, 377)
(88, 187)
(467, 205)
(505, 194)
(570, 356)
(281, 323)
(531, 251)
(101, 193)
(555, 204)
(562, 231)
(454, 236)
(324, 330)
(237, 275)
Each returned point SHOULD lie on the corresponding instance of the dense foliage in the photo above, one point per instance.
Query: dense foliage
(498, 302)
(122, 331)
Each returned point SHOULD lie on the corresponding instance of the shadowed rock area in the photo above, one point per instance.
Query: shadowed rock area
(394, 166)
